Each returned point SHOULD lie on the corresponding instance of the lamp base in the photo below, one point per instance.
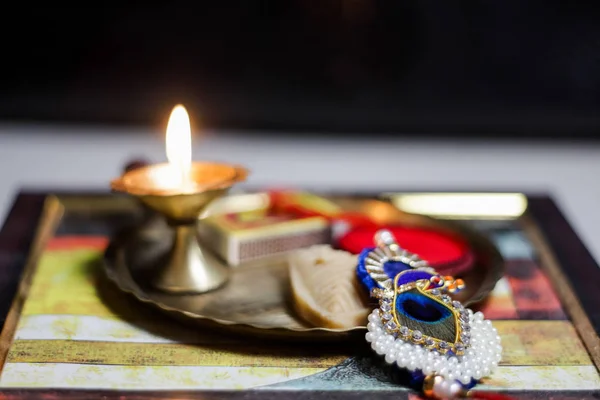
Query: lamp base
(189, 267)
(175, 261)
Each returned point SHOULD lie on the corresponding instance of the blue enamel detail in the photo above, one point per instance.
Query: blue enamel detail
(414, 275)
(391, 268)
(421, 308)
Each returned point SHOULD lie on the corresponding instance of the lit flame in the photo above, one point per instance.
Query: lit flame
(179, 143)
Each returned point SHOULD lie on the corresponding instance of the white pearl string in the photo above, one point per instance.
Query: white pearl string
(479, 360)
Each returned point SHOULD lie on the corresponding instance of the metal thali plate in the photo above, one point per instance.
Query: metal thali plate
(257, 299)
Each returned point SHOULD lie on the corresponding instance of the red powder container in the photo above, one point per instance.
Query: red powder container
(448, 254)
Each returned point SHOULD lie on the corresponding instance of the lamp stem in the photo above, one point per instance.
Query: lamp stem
(189, 267)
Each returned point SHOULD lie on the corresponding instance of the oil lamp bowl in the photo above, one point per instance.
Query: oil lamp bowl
(178, 262)
(153, 186)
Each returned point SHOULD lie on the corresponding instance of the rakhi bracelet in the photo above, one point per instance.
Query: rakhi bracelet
(445, 347)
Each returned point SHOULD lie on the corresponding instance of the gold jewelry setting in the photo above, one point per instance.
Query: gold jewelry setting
(419, 327)
(387, 305)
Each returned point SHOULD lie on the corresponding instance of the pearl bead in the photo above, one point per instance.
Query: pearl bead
(373, 318)
(441, 389)
(380, 348)
(427, 369)
(377, 346)
(412, 365)
(455, 389)
(446, 390)
(465, 379)
(372, 326)
(390, 357)
(402, 361)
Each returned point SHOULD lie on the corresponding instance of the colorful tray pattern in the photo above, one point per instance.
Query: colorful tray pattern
(77, 331)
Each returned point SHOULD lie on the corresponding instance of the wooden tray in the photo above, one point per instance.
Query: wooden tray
(545, 307)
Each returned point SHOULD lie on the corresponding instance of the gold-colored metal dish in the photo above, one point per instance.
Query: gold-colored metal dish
(256, 299)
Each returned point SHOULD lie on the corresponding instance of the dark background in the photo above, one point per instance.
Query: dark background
(502, 68)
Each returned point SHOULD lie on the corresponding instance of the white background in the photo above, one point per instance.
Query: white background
(68, 157)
